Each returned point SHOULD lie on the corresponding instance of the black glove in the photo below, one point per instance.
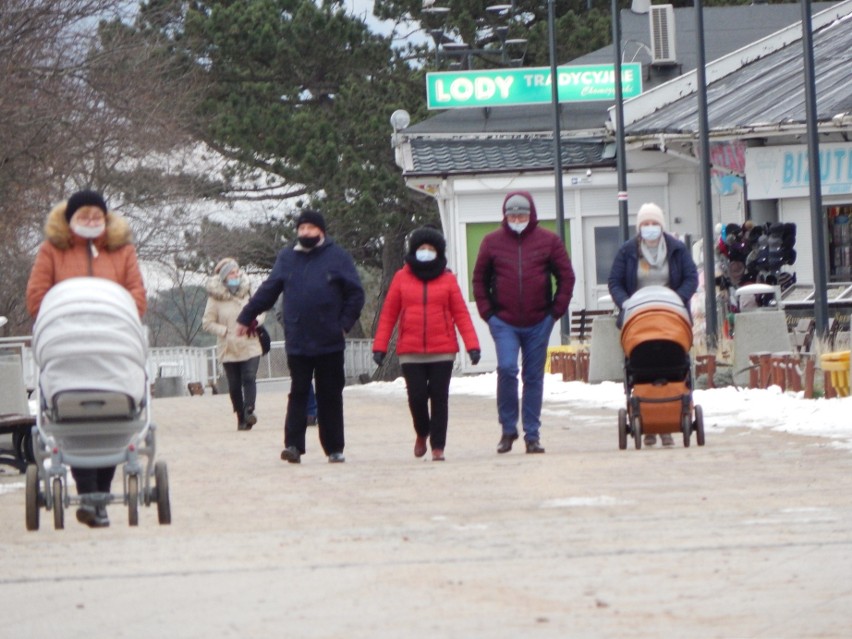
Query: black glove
(378, 357)
(474, 355)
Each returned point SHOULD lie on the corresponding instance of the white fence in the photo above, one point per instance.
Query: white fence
(199, 364)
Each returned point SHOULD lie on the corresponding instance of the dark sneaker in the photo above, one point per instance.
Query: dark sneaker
(420, 446)
(534, 447)
(505, 444)
(650, 440)
(101, 517)
(243, 426)
(251, 419)
(312, 420)
(336, 458)
(93, 517)
(666, 440)
(291, 454)
(437, 454)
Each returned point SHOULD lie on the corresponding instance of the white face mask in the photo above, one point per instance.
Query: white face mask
(88, 232)
(651, 232)
(425, 255)
(518, 227)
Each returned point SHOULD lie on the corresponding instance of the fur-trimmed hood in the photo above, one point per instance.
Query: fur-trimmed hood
(218, 291)
(58, 232)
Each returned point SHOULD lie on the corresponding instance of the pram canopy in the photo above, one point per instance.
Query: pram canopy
(88, 337)
(655, 313)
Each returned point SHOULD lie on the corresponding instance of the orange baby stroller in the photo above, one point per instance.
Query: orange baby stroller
(656, 337)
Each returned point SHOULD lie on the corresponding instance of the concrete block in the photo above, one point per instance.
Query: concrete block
(169, 387)
(755, 332)
(13, 394)
(606, 357)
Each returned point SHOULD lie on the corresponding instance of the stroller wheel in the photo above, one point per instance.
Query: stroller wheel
(622, 428)
(637, 432)
(699, 425)
(164, 509)
(58, 506)
(133, 500)
(686, 428)
(32, 505)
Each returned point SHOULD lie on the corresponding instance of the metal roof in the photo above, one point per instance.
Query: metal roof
(482, 140)
(440, 156)
(726, 29)
(768, 93)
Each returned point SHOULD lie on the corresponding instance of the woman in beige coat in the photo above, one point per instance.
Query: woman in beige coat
(228, 291)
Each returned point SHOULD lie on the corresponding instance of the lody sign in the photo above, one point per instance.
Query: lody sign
(506, 87)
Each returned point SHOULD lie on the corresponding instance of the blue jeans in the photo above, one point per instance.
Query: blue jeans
(531, 342)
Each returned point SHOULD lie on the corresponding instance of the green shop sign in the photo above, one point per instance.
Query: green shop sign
(505, 87)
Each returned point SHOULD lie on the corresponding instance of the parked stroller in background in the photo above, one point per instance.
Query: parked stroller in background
(656, 338)
(93, 401)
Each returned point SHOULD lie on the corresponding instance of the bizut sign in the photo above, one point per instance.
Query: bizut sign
(506, 87)
(782, 171)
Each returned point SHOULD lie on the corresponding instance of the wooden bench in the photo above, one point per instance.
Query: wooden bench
(581, 324)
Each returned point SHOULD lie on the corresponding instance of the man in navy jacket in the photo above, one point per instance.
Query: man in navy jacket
(323, 298)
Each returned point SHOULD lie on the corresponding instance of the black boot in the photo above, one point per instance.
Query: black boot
(241, 423)
(251, 418)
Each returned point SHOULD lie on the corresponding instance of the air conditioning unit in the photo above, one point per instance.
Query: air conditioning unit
(662, 34)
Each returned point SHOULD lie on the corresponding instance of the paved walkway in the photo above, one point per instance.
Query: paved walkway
(749, 536)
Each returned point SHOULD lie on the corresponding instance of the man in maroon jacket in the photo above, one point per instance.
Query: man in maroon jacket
(514, 293)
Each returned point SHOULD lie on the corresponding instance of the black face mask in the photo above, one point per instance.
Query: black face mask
(308, 242)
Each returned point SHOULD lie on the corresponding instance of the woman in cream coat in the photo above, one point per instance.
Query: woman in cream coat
(228, 291)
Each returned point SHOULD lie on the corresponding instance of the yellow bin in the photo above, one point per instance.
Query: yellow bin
(837, 365)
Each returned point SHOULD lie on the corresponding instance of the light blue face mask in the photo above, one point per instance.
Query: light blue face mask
(425, 255)
(233, 283)
(651, 232)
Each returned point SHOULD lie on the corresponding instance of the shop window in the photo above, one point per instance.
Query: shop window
(840, 242)
(607, 243)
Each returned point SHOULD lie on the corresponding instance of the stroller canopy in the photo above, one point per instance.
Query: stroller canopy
(655, 313)
(88, 336)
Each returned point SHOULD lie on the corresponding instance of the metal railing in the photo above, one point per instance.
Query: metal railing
(200, 364)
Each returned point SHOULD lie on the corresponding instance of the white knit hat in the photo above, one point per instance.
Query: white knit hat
(650, 212)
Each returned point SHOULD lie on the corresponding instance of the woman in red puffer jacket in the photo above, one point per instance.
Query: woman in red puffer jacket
(426, 300)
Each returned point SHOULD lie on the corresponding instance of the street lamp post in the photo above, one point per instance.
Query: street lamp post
(817, 227)
(620, 152)
(565, 326)
(710, 324)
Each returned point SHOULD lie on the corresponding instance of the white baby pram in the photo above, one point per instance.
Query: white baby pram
(93, 401)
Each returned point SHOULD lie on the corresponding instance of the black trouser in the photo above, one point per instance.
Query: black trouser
(93, 480)
(242, 385)
(428, 386)
(327, 372)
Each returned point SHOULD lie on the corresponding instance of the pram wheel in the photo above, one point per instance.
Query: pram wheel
(699, 425)
(32, 506)
(133, 500)
(622, 428)
(686, 428)
(637, 432)
(164, 509)
(58, 506)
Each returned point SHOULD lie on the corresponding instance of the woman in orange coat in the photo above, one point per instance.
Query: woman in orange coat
(83, 239)
(426, 300)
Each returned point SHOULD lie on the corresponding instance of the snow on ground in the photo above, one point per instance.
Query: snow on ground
(723, 408)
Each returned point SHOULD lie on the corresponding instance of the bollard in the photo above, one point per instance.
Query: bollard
(706, 364)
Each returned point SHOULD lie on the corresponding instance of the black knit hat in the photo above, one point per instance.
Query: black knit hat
(84, 198)
(427, 235)
(309, 216)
